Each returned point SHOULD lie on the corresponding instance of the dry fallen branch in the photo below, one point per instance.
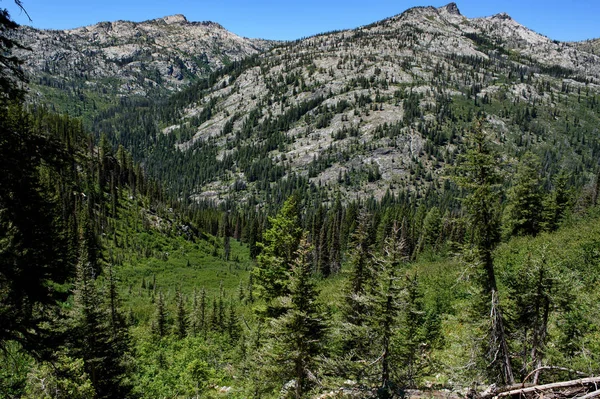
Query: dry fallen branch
(590, 395)
(552, 368)
(556, 385)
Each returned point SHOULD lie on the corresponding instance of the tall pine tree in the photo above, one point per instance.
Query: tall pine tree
(477, 173)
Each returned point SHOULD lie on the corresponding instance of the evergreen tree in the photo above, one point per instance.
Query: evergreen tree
(386, 301)
(214, 316)
(11, 74)
(533, 289)
(34, 254)
(273, 265)
(233, 325)
(159, 323)
(358, 306)
(181, 321)
(299, 333)
(432, 227)
(557, 202)
(197, 317)
(240, 292)
(523, 214)
(101, 341)
(419, 335)
(477, 173)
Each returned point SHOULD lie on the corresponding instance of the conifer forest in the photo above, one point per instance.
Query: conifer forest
(405, 209)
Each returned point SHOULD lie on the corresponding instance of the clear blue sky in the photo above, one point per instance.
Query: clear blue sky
(564, 20)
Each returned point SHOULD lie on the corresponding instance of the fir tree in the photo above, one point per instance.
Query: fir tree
(557, 202)
(233, 325)
(477, 173)
(160, 317)
(34, 255)
(357, 338)
(273, 265)
(386, 301)
(523, 214)
(181, 321)
(197, 316)
(99, 335)
(299, 333)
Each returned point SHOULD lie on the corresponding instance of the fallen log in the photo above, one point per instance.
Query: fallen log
(552, 368)
(590, 395)
(555, 385)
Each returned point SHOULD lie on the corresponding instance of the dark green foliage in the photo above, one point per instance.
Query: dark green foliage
(524, 199)
(419, 335)
(557, 203)
(160, 322)
(299, 332)
(34, 251)
(11, 74)
(477, 173)
(386, 300)
(181, 318)
(97, 332)
(280, 242)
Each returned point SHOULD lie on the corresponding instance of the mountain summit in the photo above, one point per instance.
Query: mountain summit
(451, 8)
(175, 19)
(124, 58)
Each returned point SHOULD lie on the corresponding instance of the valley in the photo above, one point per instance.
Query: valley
(407, 208)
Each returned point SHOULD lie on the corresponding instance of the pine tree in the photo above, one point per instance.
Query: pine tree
(98, 332)
(420, 333)
(432, 226)
(34, 254)
(533, 289)
(233, 325)
(358, 306)
(299, 333)
(181, 321)
(273, 265)
(522, 214)
(214, 316)
(477, 173)
(202, 311)
(11, 74)
(159, 323)
(198, 314)
(386, 300)
(557, 202)
(240, 292)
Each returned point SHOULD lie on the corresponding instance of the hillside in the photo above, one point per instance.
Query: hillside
(85, 69)
(405, 209)
(379, 107)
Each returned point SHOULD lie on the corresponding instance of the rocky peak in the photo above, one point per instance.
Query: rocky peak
(502, 16)
(451, 8)
(175, 19)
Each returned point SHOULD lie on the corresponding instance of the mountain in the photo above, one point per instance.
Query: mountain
(377, 109)
(98, 64)
(373, 110)
(112, 287)
(591, 46)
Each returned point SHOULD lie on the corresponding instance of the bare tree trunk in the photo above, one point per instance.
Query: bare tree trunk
(299, 378)
(539, 338)
(498, 344)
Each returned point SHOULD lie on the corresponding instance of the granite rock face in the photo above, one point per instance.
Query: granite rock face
(365, 111)
(127, 58)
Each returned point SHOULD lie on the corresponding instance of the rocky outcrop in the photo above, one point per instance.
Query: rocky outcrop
(126, 58)
(366, 110)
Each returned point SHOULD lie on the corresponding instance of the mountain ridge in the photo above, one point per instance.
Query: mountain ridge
(366, 110)
(108, 60)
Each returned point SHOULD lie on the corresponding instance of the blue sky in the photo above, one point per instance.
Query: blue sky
(287, 19)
